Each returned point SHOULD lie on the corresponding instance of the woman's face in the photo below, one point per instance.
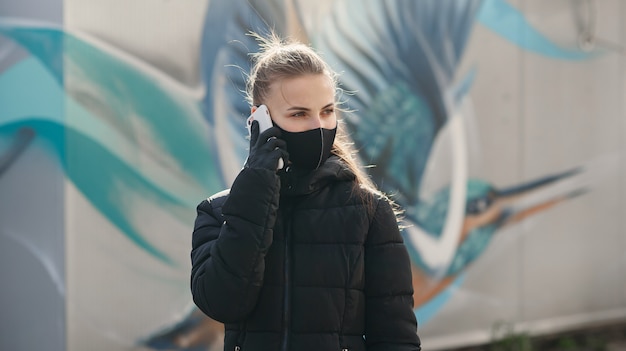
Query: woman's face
(302, 103)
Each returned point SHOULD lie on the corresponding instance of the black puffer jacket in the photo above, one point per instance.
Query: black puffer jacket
(302, 262)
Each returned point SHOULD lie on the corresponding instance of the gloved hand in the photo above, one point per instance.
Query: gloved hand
(266, 148)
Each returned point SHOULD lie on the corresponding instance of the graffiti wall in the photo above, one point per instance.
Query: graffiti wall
(498, 125)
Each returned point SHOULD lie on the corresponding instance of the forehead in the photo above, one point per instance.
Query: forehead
(309, 89)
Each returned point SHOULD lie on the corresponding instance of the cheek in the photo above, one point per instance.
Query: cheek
(330, 122)
(288, 124)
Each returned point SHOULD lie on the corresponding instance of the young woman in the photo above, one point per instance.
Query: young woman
(309, 256)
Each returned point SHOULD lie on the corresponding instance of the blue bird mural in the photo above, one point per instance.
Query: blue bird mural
(127, 135)
(398, 62)
(487, 210)
(407, 97)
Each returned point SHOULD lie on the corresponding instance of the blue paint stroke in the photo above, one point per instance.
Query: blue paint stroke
(508, 22)
(462, 88)
(427, 311)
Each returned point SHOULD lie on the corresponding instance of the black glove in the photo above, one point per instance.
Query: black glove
(266, 149)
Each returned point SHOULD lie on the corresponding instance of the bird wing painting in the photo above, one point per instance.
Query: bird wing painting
(409, 98)
(132, 141)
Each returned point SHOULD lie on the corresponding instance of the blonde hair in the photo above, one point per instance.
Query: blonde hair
(282, 58)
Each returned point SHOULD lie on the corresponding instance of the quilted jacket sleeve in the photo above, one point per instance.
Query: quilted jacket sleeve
(230, 239)
(390, 322)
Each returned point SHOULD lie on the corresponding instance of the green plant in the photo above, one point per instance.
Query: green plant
(567, 343)
(504, 338)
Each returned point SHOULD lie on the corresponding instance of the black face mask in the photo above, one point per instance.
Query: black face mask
(309, 149)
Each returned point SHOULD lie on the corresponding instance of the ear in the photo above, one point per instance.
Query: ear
(252, 109)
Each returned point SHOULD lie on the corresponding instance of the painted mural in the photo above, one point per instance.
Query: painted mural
(139, 151)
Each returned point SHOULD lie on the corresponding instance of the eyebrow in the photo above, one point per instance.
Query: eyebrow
(298, 108)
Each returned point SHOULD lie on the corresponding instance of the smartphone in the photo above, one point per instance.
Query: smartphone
(262, 115)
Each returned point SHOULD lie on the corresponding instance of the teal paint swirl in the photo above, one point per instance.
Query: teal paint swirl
(118, 133)
(508, 22)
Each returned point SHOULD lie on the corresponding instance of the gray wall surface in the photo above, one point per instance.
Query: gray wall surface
(32, 234)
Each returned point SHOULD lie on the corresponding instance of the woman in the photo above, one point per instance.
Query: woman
(309, 256)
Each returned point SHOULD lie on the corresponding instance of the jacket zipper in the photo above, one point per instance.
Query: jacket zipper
(288, 206)
(241, 337)
(287, 278)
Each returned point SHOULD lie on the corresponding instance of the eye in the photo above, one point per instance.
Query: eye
(328, 111)
(297, 114)
(478, 206)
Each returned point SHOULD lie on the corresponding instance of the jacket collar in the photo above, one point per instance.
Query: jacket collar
(296, 182)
